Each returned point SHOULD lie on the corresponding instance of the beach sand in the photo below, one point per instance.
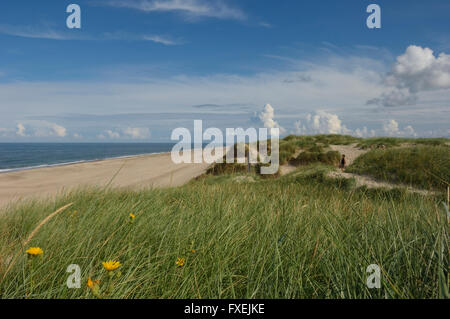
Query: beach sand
(136, 172)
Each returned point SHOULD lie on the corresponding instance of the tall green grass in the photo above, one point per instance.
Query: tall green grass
(422, 166)
(387, 142)
(287, 238)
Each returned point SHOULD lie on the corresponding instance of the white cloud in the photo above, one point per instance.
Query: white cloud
(364, 132)
(160, 39)
(40, 129)
(267, 118)
(126, 36)
(112, 135)
(417, 70)
(137, 133)
(391, 128)
(20, 129)
(327, 123)
(189, 8)
(33, 32)
(321, 123)
(59, 130)
(47, 129)
(409, 131)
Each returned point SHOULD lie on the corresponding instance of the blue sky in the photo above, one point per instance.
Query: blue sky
(138, 69)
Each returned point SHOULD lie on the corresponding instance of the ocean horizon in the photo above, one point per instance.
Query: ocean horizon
(25, 156)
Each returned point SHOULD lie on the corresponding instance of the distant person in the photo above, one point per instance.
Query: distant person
(342, 163)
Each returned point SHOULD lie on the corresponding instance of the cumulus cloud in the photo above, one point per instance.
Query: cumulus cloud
(267, 118)
(49, 130)
(112, 134)
(327, 123)
(321, 123)
(40, 129)
(391, 128)
(417, 70)
(59, 130)
(137, 133)
(20, 129)
(364, 132)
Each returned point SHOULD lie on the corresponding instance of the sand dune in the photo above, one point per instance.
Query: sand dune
(156, 170)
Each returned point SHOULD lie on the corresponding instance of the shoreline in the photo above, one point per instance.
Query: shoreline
(127, 172)
(29, 168)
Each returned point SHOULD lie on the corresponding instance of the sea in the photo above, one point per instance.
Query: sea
(25, 156)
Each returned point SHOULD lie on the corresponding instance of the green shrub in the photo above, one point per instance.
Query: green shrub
(378, 142)
(304, 158)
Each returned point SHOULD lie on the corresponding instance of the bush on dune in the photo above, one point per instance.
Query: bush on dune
(304, 158)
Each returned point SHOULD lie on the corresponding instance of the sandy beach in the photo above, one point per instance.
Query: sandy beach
(135, 172)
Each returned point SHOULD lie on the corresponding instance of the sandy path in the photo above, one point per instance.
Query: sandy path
(351, 152)
(134, 172)
(288, 168)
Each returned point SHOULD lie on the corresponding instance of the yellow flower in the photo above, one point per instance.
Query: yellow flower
(193, 251)
(132, 216)
(180, 262)
(91, 284)
(34, 251)
(111, 265)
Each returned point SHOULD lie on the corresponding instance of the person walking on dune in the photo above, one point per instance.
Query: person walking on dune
(342, 163)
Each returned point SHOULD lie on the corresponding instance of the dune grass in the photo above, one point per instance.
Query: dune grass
(293, 237)
(388, 142)
(422, 166)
